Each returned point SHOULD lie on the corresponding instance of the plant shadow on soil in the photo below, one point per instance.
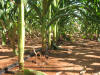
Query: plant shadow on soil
(6, 52)
(86, 53)
(83, 54)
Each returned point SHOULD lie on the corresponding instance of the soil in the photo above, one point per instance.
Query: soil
(75, 58)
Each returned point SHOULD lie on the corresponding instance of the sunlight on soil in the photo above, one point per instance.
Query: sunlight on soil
(93, 56)
(82, 53)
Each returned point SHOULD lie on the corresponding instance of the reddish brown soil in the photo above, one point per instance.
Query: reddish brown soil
(61, 62)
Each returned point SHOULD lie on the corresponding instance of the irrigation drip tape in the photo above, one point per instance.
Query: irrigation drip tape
(6, 69)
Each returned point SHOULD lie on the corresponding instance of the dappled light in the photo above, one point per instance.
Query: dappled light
(71, 63)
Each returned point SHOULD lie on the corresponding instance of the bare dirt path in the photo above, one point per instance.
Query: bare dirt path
(84, 53)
